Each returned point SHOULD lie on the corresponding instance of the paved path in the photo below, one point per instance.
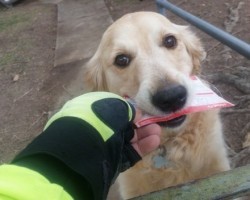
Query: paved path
(80, 27)
(81, 24)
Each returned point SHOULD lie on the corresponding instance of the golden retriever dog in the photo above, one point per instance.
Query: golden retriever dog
(150, 59)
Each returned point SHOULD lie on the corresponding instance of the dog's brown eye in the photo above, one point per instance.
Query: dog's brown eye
(122, 60)
(170, 41)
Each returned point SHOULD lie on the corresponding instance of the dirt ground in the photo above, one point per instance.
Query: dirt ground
(30, 85)
(27, 44)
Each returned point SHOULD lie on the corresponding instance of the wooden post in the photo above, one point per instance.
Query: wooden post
(225, 185)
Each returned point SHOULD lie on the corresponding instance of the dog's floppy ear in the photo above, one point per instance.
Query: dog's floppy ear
(194, 48)
(94, 78)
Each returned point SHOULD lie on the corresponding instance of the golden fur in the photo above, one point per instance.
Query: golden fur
(193, 150)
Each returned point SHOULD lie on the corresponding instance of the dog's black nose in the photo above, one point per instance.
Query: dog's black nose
(170, 99)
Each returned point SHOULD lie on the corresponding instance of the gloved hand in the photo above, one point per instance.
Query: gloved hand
(112, 118)
(91, 134)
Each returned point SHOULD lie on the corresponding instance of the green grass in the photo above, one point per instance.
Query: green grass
(12, 24)
(11, 20)
(6, 59)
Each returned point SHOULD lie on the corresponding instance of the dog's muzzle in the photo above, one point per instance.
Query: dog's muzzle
(170, 99)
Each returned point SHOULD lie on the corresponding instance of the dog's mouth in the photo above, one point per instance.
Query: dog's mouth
(173, 123)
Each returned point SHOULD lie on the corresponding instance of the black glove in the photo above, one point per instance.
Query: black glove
(90, 135)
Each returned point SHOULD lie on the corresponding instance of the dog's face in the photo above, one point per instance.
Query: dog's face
(146, 57)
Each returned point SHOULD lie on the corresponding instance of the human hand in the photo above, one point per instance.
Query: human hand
(146, 138)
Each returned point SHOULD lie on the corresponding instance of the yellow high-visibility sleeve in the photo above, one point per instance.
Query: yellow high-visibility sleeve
(20, 183)
(81, 108)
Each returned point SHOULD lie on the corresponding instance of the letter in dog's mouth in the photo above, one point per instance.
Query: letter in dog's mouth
(173, 120)
(204, 99)
(173, 123)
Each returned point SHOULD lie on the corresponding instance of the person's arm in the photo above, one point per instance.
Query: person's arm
(21, 183)
(85, 146)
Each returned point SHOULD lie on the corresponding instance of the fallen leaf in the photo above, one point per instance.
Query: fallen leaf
(16, 77)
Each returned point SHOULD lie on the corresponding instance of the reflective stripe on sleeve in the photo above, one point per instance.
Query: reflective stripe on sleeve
(20, 183)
